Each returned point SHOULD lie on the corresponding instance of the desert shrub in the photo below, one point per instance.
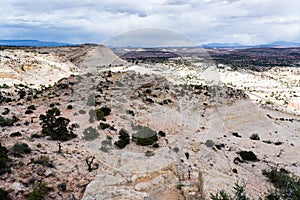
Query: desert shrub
(124, 139)
(75, 125)
(90, 133)
(103, 126)
(104, 149)
(91, 100)
(22, 94)
(149, 153)
(31, 107)
(109, 137)
(149, 100)
(162, 134)
(69, 107)
(221, 195)
(267, 141)
(130, 112)
(6, 111)
(239, 194)
(36, 135)
(270, 102)
(7, 121)
(4, 86)
(176, 149)
(278, 143)
(92, 115)
(106, 142)
(39, 192)
(42, 160)
(102, 112)
(254, 136)
(15, 134)
(209, 143)
(20, 148)
(155, 145)
(248, 155)
(106, 145)
(179, 185)
(3, 159)
(144, 136)
(28, 111)
(82, 112)
(4, 195)
(286, 186)
(62, 186)
(236, 134)
(52, 105)
(56, 127)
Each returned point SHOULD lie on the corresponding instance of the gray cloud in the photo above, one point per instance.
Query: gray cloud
(80, 21)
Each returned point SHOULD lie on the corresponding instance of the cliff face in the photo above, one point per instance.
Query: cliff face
(45, 66)
(33, 68)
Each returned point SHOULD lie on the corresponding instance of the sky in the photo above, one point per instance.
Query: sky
(202, 21)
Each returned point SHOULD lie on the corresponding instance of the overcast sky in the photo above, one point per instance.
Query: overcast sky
(205, 21)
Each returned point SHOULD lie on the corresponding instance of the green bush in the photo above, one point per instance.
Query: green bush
(102, 112)
(43, 160)
(4, 195)
(20, 148)
(7, 121)
(92, 115)
(270, 102)
(239, 194)
(28, 111)
(82, 112)
(179, 185)
(3, 159)
(31, 107)
(209, 143)
(248, 155)
(162, 134)
(104, 149)
(222, 195)
(254, 136)
(90, 133)
(15, 134)
(62, 186)
(6, 111)
(103, 126)
(287, 187)
(91, 100)
(124, 139)
(149, 153)
(39, 192)
(56, 127)
(145, 136)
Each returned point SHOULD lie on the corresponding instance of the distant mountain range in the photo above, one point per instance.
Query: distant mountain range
(237, 45)
(33, 43)
(38, 43)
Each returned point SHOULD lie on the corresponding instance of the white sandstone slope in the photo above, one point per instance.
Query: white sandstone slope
(33, 68)
(101, 56)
